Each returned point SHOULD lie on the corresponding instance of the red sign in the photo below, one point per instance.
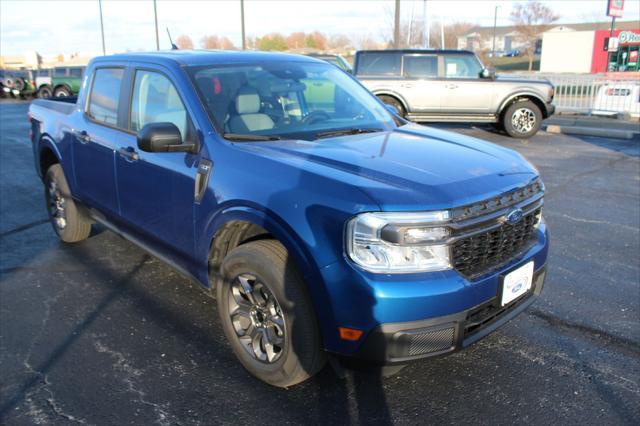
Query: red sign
(615, 8)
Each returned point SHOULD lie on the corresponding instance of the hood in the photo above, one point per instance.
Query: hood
(409, 168)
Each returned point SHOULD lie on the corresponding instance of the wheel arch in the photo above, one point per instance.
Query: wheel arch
(239, 225)
(392, 94)
(523, 96)
(48, 155)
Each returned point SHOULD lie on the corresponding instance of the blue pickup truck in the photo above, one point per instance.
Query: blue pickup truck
(330, 230)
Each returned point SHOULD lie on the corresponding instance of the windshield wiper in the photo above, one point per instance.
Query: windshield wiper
(249, 138)
(343, 132)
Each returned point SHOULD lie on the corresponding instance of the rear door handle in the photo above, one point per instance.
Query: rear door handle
(451, 86)
(128, 153)
(82, 136)
(406, 85)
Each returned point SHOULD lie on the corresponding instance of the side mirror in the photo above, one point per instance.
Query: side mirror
(488, 73)
(162, 137)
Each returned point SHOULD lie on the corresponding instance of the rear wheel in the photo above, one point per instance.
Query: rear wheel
(267, 314)
(45, 92)
(522, 119)
(62, 92)
(390, 100)
(68, 222)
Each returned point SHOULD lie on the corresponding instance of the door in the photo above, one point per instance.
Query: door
(156, 189)
(419, 85)
(464, 90)
(94, 142)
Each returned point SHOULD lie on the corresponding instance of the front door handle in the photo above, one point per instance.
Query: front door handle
(407, 85)
(82, 136)
(128, 153)
(451, 86)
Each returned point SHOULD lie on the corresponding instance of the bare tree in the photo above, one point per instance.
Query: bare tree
(210, 42)
(338, 42)
(227, 44)
(531, 20)
(296, 40)
(184, 42)
(451, 33)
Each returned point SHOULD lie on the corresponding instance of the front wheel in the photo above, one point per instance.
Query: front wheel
(267, 316)
(396, 104)
(67, 220)
(522, 119)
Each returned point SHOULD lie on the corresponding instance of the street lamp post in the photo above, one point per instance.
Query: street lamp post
(104, 50)
(495, 22)
(396, 29)
(244, 39)
(155, 17)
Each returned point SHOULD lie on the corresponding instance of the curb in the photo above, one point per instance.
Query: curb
(591, 131)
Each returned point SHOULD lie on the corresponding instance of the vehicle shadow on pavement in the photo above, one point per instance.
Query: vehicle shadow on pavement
(359, 398)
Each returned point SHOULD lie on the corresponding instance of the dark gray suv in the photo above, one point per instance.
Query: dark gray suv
(453, 85)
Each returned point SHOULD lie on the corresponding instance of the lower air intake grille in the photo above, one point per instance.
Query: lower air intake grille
(432, 341)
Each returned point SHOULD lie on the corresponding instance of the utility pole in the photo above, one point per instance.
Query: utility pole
(396, 29)
(155, 17)
(104, 50)
(244, 39)
(426, 24)
(442, 33)
(495, 22)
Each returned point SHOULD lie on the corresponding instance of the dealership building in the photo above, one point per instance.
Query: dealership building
(591, 51)
(571, 48)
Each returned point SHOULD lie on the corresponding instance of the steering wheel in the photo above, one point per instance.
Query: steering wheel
(315, 117)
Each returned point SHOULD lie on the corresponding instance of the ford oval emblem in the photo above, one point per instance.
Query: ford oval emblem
(514, 216)
(516, 288)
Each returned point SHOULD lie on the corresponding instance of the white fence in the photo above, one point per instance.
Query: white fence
(596, 93)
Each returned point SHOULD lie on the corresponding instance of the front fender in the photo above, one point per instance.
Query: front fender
(277, 227)
(520, 94)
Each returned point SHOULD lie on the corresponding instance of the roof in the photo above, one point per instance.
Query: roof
(205, 57)
(584, 26)
(445, 51)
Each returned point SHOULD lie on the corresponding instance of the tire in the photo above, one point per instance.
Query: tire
(522, 119)
(45, 92)
(390, 100)
(19, 84)
(278, 310)
(62, 92)
(67, 220)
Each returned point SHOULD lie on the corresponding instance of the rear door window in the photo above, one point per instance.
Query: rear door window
(105, 96)
(379, 63)
(420, 66)
(461, 66)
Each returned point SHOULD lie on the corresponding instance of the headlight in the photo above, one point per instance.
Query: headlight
(399, 242)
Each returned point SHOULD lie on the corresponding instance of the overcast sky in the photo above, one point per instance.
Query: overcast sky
(52, 27)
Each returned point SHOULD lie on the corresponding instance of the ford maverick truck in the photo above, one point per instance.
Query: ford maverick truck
(325, 230)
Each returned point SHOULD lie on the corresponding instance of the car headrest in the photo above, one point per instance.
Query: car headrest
(247, 101)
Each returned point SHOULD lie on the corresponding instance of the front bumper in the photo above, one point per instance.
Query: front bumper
(399, 343)
(550, 110)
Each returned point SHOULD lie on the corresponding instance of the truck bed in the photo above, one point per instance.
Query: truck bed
(61, 105)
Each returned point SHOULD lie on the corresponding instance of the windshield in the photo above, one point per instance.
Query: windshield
(288, 100)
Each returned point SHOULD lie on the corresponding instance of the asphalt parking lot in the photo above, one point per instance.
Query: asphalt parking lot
(102, 333)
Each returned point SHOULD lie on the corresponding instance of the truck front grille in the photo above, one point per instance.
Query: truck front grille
(484, 251)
